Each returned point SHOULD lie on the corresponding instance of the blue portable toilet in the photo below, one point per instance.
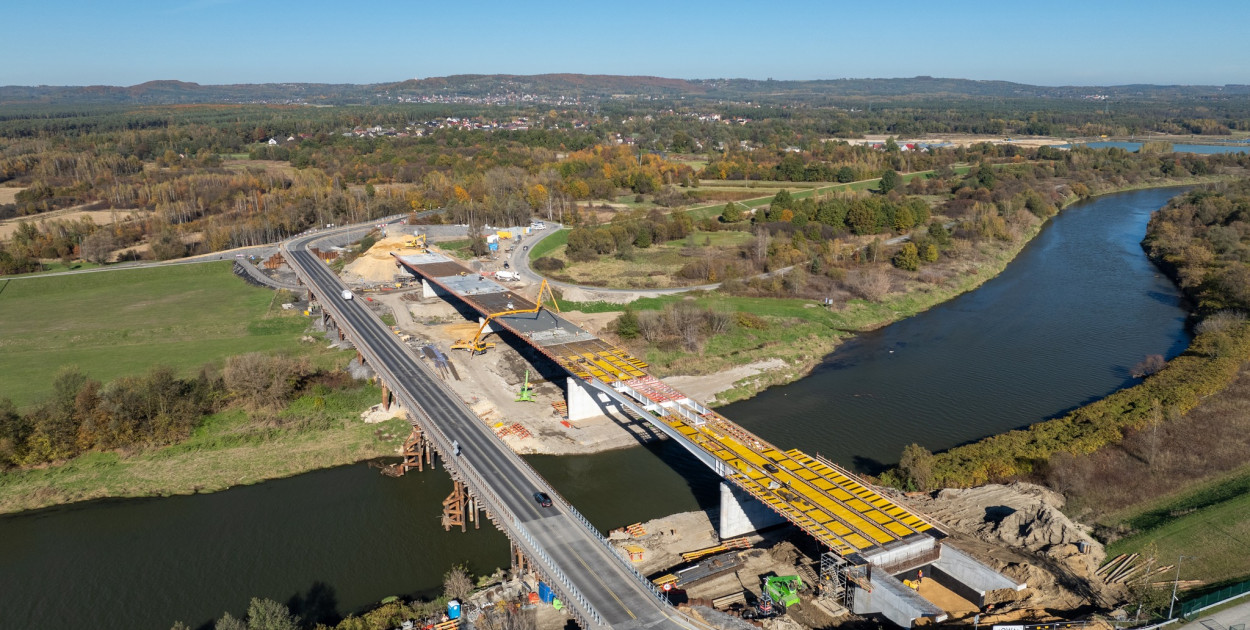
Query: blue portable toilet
(494, 247)
(453, 609)
(545, 594)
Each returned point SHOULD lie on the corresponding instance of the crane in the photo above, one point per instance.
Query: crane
(477, 346)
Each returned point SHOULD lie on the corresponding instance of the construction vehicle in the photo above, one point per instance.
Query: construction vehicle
(783, 590)
(527, 393)
(477, 346)
(417, 242)
(507, 276)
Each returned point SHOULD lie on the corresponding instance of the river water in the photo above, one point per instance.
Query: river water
(1061, 326)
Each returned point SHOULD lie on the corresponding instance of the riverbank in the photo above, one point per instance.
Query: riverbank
(813, 331)
(226, 450)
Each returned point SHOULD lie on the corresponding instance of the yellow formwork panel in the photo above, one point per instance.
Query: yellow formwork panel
(902, 521)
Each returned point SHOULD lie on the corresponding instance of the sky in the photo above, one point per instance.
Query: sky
(1091, 42)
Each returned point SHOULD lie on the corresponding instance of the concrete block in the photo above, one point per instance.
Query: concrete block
(741, 514)
(895, 601)
(585, 402)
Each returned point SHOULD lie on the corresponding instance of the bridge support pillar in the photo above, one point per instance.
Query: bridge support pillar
(586, 402)
(360, 358)
(386, 398)
(520, 565)
(416, 452)
(427, 290)
(740, 513)
(454, 508)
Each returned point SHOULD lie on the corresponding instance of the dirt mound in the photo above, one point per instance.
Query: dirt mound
(378, 265)
(1019, 530)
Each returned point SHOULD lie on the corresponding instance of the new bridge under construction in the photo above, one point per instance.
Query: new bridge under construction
(868, 538)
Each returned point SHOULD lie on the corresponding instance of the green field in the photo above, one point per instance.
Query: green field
(124, 322)
(549, 244)
(1207, 525)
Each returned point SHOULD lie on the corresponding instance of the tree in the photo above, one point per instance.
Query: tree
(846, 174)
(266, 614)
(783, 200)
(167, 246)
(930, 253)
(457, 582)
(731, 214)
(889, 181)
(228, 622)
(917, 464)
(627, 324)
(903, 219)
(861, 218)
(908, 257)
(99, 246)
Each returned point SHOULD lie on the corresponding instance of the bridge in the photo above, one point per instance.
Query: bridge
(764, 484)
(599, 587)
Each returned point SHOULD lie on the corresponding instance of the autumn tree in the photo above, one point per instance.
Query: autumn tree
(99, 246)
(457, 582)
(908, 257)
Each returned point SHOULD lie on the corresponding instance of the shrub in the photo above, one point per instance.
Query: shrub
(548, 263)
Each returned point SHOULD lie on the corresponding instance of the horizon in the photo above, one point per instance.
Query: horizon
(230, 42)
(641, 76)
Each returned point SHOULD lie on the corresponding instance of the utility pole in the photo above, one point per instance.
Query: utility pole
(1176, 582)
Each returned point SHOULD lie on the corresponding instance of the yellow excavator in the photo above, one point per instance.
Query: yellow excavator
(477, 346)
(417, 242)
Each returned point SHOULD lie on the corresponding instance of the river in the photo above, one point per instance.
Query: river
(1061, 326)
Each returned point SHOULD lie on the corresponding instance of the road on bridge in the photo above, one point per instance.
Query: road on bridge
(616, 593)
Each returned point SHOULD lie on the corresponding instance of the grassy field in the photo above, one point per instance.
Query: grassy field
(226, 450)
(123, 322)
(801, 190)
(655, 266)
(53, 266)
(1206, 524)
(549, 244)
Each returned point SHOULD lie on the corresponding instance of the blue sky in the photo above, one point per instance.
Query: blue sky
(1092, 42)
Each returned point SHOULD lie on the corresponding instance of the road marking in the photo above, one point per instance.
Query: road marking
(605, 586)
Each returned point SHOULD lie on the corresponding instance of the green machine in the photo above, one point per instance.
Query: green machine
(527, 392)
(783, 589)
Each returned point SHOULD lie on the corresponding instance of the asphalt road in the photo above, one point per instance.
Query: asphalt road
(617, 595)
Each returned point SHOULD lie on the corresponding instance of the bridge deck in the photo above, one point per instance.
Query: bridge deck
(820, 497)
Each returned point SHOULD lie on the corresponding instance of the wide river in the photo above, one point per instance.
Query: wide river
(1061, 326)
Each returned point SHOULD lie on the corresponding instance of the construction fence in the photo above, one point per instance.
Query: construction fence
(1228, 592)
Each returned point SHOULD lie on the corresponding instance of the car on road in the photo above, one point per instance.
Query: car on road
(542, 499)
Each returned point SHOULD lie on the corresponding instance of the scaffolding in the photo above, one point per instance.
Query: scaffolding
(839, 577)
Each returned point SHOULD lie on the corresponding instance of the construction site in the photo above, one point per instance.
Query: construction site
(797, 541)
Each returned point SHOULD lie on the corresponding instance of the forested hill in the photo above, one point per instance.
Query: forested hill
(583, 87)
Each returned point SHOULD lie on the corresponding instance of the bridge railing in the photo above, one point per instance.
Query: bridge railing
(478, 487)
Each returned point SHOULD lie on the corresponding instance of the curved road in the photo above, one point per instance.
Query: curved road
(569, 551)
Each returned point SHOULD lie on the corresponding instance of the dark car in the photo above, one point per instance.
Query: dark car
(771, 468)
(542, 499)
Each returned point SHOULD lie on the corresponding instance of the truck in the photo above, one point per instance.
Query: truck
(347, 295)
(507, 276)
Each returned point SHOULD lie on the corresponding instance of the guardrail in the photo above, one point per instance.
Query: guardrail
(477, 485)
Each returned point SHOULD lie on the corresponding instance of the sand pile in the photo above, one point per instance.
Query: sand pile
(1029, 540)
(378, 265)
